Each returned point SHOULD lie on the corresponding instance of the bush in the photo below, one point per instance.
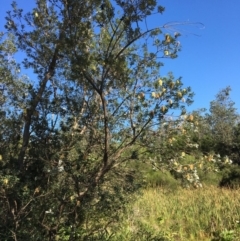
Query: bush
(231, 177)
(210, 178)
(161, 179)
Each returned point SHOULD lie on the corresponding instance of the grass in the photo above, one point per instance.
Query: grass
(203, 214)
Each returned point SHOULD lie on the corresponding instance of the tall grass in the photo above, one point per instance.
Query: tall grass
(182, 215)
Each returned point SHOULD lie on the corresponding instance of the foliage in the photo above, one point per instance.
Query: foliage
(72, 137)
(210, 178)
(198, 147)
(222, 116)
(220, 124)
(235, 149)
(226, 235)
(155, 178)
(175, 147)
(231, 177)
(68, 136)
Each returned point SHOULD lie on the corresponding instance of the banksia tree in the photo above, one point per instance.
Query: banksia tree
(96, 92)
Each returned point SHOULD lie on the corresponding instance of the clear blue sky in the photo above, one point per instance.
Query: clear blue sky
(208, 62)
(211, 61)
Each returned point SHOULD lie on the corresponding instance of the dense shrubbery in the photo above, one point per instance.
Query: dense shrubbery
(231, 177)
(156, 179)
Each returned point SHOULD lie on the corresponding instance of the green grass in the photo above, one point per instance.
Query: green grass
(203, 214)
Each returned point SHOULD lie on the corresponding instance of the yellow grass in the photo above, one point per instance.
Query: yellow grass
(184, 215)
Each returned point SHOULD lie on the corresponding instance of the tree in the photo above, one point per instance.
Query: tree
(222, 120)
(97, 92)
(236, 144)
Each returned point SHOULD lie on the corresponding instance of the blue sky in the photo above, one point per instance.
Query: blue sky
(211, 61)
(210, 56)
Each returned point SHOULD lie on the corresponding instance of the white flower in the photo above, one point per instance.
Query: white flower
(60, 169)
(49, 211)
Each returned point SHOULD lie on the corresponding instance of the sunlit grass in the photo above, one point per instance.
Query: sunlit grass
(183, 214)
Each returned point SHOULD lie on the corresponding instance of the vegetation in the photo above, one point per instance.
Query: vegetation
(205, 214)
(90, 128)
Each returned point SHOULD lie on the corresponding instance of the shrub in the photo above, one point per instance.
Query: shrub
(231, 177)
(161, 179)
(210, 178)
